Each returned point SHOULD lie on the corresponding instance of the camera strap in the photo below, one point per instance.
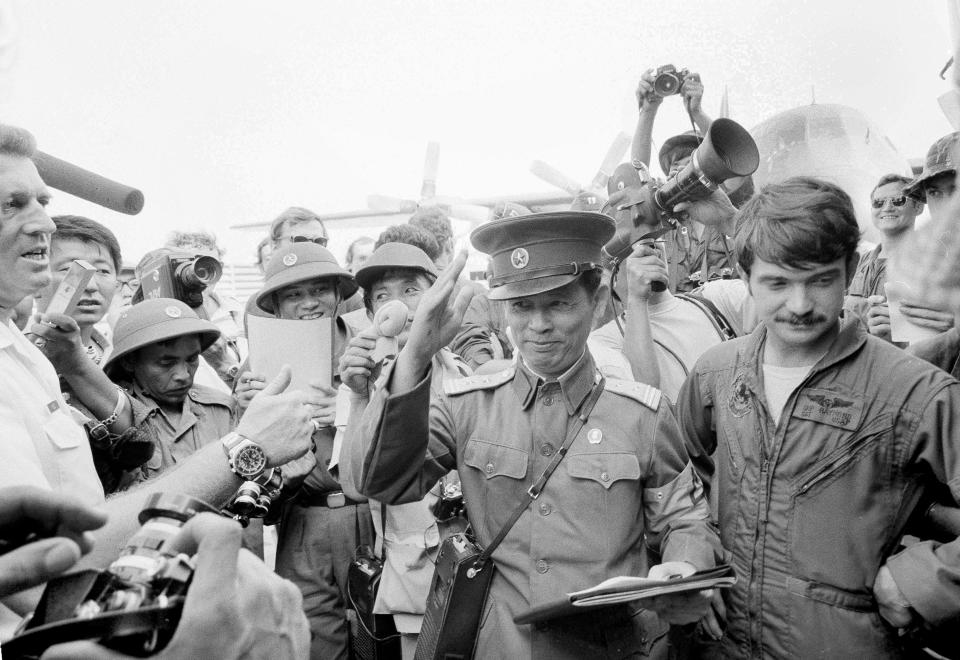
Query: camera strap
(537, 487)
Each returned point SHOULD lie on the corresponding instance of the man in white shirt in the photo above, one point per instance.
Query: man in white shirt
(43, 446)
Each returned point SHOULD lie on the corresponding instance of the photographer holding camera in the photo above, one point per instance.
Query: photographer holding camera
(653, 87)
(695, 253)
(252, 610)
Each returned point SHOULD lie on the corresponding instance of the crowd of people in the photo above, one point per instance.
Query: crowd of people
(731, 393)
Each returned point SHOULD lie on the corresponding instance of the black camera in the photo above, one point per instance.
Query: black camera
(254, 498)
(727, 151)
(667, 81)
(134, 606)
(450, 503)
(183, 278)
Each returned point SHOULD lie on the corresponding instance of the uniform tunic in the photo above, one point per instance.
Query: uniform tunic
(626, 477)
(207, 416)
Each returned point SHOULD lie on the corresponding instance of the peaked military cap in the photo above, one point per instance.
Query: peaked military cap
(941, 158)
(154, 320)
(542, 251)
(300, 262)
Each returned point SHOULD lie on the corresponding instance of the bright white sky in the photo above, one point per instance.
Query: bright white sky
(226, 112)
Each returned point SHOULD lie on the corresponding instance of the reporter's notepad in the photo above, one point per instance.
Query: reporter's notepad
(624, 589)
(307, 346)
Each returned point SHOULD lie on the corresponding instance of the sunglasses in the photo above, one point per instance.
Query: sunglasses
(319, 240)
(899, 200)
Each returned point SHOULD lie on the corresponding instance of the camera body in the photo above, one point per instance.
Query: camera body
(183, 278)
(727, 151)
(667, 80)
(132, 607)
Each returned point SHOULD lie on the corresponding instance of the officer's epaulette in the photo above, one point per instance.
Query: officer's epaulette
(483, 382)
(207, 396)
(645, 394)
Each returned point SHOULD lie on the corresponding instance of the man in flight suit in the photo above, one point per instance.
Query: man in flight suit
(626, 478)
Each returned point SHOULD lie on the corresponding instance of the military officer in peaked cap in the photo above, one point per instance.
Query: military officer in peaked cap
(624, 483)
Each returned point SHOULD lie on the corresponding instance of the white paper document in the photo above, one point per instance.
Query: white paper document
(307, 346)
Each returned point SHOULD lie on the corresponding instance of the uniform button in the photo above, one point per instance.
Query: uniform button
(542, 566)
(546, 449)
(489, 468)
(548, 400)
(545, 509)
(604, 476)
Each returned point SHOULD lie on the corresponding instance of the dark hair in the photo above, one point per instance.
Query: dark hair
(795, 223)
(411, 235)
(78, 228)
(399, 271)
(16, 141)
(435, 221)
(590, 280)
(904, 181)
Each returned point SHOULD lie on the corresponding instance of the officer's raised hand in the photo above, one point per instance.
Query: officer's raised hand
(435, 324)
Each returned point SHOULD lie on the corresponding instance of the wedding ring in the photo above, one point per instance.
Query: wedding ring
(316, 424)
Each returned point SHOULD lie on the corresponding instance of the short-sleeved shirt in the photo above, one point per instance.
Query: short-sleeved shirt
(868, 280)
(43, 445)
(207, 416)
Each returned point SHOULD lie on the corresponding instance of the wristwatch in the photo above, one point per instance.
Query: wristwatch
(247, 458)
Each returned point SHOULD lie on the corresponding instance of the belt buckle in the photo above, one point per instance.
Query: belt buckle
(336, 500)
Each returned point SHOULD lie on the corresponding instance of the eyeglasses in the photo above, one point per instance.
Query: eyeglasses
(899, 200)
(319, 240)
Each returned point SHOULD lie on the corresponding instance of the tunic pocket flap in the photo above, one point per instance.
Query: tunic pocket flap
(605, 469)
(495, 460)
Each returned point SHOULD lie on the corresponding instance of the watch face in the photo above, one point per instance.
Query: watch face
(250, 461)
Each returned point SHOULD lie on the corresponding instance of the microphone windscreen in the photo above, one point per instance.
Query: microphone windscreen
(69, 178)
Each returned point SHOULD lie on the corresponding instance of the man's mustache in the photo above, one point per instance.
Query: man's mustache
(801, 319)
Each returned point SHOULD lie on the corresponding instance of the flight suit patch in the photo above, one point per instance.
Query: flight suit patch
(842, 410)
(739, 401)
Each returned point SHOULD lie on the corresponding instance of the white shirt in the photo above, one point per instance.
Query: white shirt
(41, 443)
(682, 333)
(779, 383)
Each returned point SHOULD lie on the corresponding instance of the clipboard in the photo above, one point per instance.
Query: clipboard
(307, 346)
(624, 589)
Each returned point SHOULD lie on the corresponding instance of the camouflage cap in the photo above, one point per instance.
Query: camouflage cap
(941, 159)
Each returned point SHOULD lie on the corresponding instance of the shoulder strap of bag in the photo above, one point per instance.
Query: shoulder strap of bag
(719, 321)
(537, 487)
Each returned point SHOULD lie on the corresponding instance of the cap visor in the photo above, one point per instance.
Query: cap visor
(530, 287)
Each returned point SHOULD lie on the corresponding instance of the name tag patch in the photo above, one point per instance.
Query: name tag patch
(841, 410)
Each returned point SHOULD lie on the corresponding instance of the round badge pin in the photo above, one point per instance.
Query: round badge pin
(173, 312)
(519, 258)
(289, 259)
(595, 436)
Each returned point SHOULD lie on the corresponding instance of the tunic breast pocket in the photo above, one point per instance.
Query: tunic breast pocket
(493, 479)
(604, 484)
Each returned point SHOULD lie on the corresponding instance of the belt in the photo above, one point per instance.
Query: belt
(331, 500)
